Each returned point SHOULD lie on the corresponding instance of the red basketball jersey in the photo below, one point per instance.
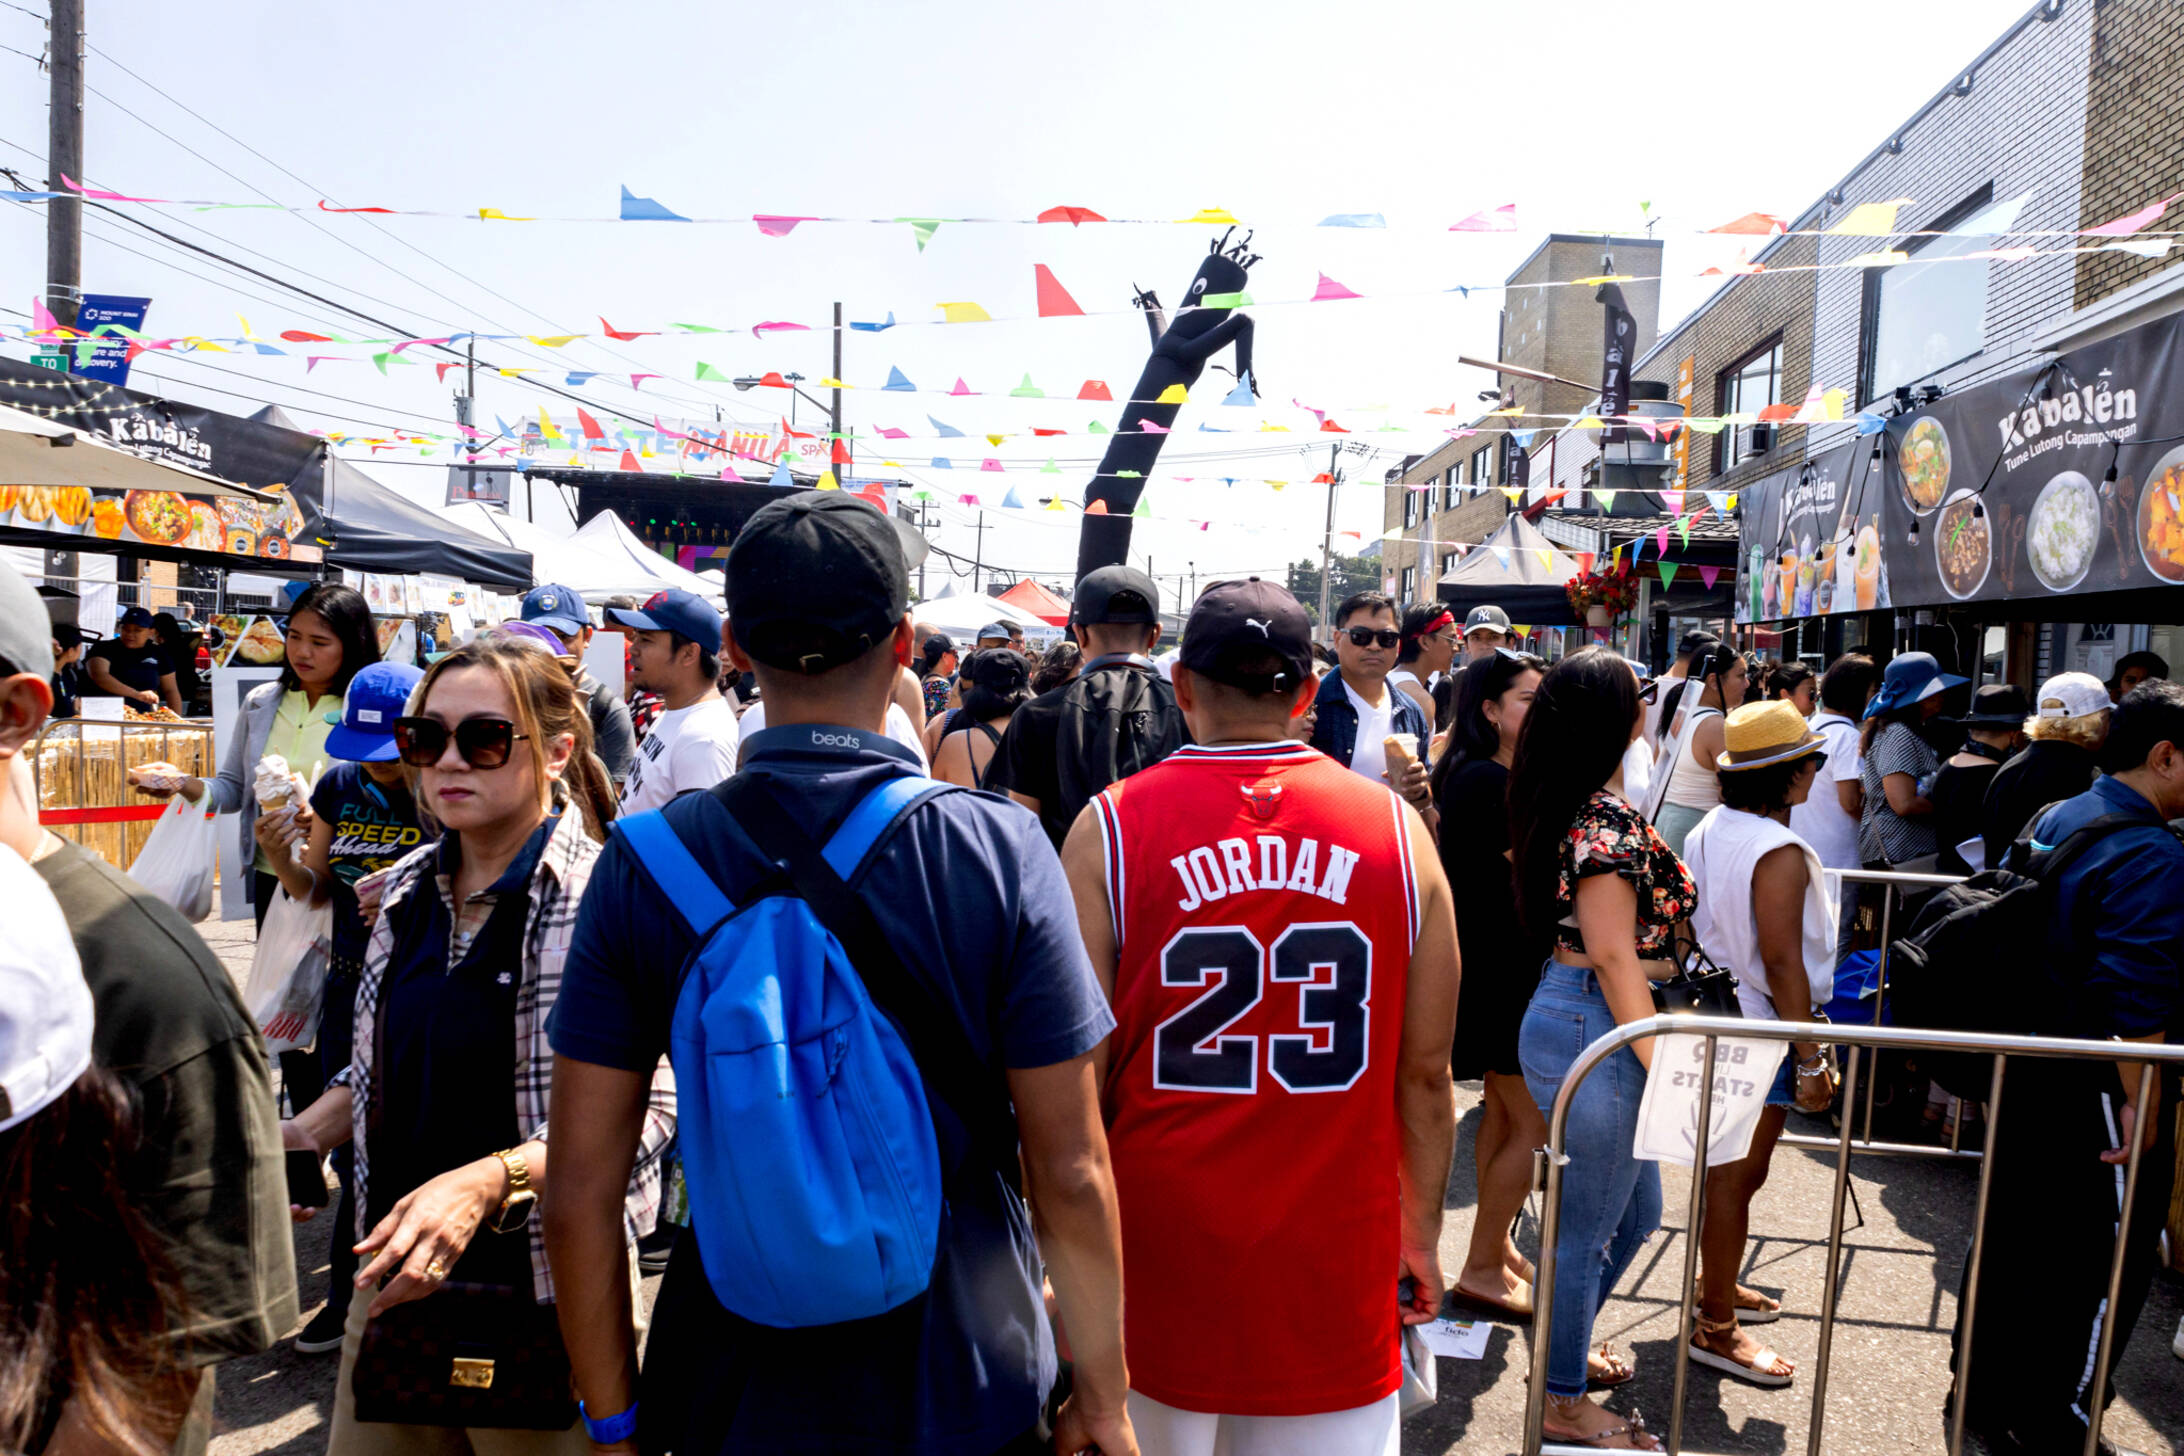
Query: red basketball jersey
(1265, 909)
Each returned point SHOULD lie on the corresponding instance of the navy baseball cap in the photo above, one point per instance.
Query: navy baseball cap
(686, 614)
(377, 695)
(1236, 626)
(135, 617)
(1120, 594)
(816, 580)
(558, 607)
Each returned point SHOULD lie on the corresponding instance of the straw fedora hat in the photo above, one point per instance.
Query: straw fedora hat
(1759, 734)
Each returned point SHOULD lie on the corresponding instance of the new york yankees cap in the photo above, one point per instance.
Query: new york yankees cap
(1237, 626)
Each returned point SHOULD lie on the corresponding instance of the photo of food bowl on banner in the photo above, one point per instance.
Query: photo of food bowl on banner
(2060, 481)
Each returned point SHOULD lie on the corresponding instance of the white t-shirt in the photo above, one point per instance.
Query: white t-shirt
(1820, 820)
(1370, 756)
(688, 748)
(899, 728)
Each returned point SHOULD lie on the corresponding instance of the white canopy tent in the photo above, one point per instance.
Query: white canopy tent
(605, 534)
(560, 560)
(959, 616)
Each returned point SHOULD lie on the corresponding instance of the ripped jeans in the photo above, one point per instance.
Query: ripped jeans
(1610, 1200)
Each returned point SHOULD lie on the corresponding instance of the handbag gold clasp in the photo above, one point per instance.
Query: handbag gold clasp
(472, 1374)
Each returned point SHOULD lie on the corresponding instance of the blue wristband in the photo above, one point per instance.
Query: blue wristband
(613, 1428)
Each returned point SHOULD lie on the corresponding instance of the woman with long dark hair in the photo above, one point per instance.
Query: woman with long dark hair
(87, 1296)
(996, 681)
(330, 637)
(1429, 647)
(936, 670)
(1795, 682)
(1692, 790)
(1501, 964)
(445, 1094)
(1595, 878)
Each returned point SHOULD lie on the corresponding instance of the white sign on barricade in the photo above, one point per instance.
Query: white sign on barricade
(1668, 1116)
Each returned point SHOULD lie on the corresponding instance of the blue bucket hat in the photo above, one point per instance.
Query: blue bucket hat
(1911, 677)
(377, 695)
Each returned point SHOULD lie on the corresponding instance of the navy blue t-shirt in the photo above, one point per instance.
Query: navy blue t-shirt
(972, 895)
(374, 824)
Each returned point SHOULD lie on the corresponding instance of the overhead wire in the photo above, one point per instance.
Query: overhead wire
(713, 396)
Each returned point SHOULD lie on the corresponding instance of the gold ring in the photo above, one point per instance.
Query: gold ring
(436, 1270)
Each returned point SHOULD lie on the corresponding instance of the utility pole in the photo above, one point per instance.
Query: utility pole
(978, 549)
(64, 153)
(1327, 542)
(843, 481)
(1194, 585)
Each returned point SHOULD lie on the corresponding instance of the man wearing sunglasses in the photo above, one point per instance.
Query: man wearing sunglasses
(675, 654)
(1358, 712)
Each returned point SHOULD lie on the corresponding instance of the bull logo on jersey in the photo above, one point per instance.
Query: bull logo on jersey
(1263, 798)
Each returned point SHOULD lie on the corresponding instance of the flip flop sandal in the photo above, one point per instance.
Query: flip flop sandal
(1498, 1309)
(1765, 1314)
(1624, 1371)
(1634, 1428)
(1751, 1374)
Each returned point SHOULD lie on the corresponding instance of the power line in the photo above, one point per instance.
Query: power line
(367, 220)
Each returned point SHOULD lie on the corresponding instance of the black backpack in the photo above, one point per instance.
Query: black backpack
(1972, 959)
(1117, 717)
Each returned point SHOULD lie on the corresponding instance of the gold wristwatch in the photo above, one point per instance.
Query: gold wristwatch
(515, 1209)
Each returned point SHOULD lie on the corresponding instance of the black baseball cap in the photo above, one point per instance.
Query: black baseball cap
(1115, 594)
(998, 670)
(816, 581)
(1236, 624)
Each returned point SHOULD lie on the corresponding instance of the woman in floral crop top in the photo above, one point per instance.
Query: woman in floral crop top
(1594, 876)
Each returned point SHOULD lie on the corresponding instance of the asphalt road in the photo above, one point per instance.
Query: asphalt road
(1903, 1253)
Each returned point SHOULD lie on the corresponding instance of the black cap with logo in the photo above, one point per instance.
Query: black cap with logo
(1115, 594)
(815, 581)
(1237, 625)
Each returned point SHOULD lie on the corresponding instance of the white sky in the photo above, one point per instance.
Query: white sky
(1281, 111)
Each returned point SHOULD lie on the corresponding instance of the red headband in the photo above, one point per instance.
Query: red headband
(1446, 619)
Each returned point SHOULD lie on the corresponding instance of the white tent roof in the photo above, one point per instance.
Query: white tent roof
(605, 534)
(960, 615)
(560, 560)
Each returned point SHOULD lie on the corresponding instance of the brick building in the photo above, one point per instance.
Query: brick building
(2074, 116)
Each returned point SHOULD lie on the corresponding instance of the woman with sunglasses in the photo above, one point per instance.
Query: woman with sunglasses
(1501, 966)
(1693, 790)
(1765, 916)
(445, 1094)
(1595, 880)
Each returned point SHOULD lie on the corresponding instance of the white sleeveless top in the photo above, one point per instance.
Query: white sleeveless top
(1689, 783)
(1721, 852)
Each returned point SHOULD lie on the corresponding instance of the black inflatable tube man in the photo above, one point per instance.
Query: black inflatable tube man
(1180, 354)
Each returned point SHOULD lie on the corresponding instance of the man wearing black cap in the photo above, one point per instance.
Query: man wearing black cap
(1993, 730)
(1116, 717)
(971, 899)
(1277, 938)
(133, 666)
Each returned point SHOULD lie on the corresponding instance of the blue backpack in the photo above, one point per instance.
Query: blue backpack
(808, 1139)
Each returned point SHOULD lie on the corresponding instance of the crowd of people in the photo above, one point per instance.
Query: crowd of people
(953, 1020)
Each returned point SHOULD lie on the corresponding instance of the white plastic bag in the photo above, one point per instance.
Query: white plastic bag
(176, 863)
(287, 984)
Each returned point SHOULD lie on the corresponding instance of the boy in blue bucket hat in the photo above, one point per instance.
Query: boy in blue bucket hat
(362, 820)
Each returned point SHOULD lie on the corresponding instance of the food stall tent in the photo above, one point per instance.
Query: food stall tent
(1038, 601)
(961, 616)
(367, 527)
(1507, 570)
(562, 560)
(605, 534)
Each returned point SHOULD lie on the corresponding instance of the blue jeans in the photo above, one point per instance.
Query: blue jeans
(1610, 1200)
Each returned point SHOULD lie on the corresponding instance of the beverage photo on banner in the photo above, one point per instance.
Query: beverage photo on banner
(2000, 491)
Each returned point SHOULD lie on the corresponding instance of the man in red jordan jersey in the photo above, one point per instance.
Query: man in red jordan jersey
(1278, 941)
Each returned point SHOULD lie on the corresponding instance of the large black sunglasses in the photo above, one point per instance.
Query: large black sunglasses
(1368, 636)
(482, 742)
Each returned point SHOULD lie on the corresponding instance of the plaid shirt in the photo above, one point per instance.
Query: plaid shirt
(557, 885)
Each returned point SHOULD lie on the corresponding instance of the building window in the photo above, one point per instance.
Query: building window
(1431, 502)
(1410, 507)
(1448, 562)
(1922, 316)
(1482, 467)
(1409, 589)
(1745, 388)
(1448, 488)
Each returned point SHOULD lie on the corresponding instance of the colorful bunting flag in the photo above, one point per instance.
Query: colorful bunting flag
(643, 209)
(1211, 215)
(1668, 574)
(923, 228)
(1027, 390)
(1708, 575)
(1054, 300)
(1329, 289)
(1173, 394)
(1869, 220)
(946, 432)
(964, 313)
(1354, 220)
(1754, 224)
(775, 225)
(897, 380)
(1501, 219)
(1074, 216)
(1094, 389)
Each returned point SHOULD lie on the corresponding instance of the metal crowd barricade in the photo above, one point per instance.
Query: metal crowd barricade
(1891, 881)
(1868, 1038)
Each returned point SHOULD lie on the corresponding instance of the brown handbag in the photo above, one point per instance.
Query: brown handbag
(479, 1355)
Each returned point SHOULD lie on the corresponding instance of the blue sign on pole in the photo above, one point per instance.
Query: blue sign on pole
(109, 356)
